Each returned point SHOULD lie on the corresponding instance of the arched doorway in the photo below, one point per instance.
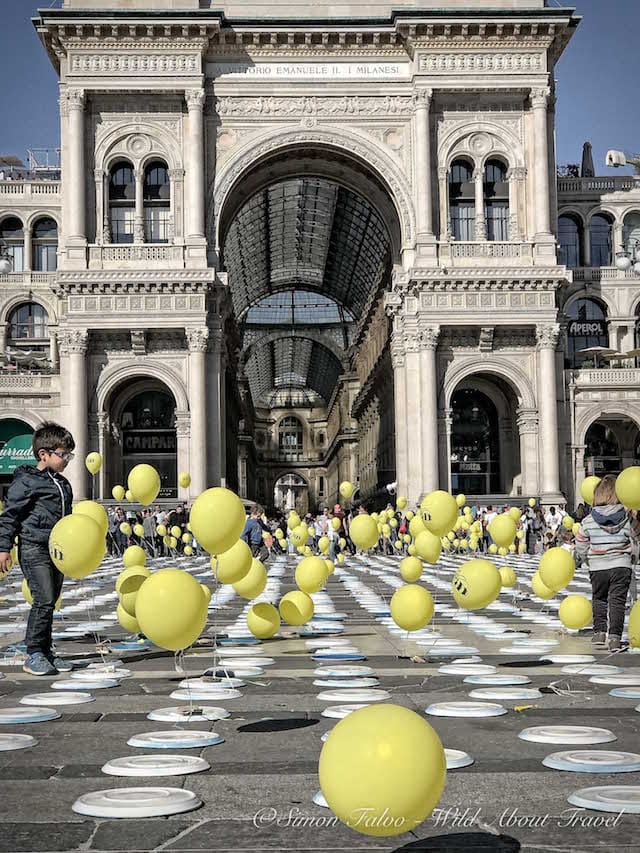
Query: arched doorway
(15, 449)
(143, 430)
(290, 493)
(612, 443)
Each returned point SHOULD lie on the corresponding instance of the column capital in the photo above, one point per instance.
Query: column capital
(396, 349)
(428, 337)
(99, 175)
(517, 173)
(195, 99)
(422, 98)
(176, 174)
(72, 99)
(197, 339)
(547, 336)
(540, 98)
(527, 421)
(73, 341)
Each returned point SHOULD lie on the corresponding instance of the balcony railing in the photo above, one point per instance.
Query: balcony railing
(605, 377)
(142, 254)
(27, 189)
(27, 278)
(602, 274)
(596, 186)
(25, 381)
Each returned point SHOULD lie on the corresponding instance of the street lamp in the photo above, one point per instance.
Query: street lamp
(6, 261)
(626, 260)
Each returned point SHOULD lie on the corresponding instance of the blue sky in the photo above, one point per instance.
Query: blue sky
(597, 82)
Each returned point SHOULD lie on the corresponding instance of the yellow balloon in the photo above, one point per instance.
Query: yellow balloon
(205, 591)
(456, 543)
(217, 519)
(324, 544)
(170, 609)
(587, 488)
(172, 542)
(26, 592)
(311, 574)
(401, 502)
(161, 530)
(253, 583)
(330, 567)
(299, 535)
(346, 489)
(340, 558)
(568, 522)
(134, 555)
(411, 607)
(336, 523)
(279, 534)
(364, 532)
(540, 588)
(382, 770)
(386, 530)
(522, 548)
(186, 538)
(93, 462)
(476, 584)
(293, 521)
(188, 550)
(461, 500)
(307, 552)
(118, 493)
(263, 620)
(95, 511)
(138, 529)
(493, 549)
(411, 569)
(532, 502)
(628, 487)
(125, 528)
(76, 545)
(128, 585)
(575, 612)
(519, 534)
(503, 552)
(184, 479)
(515, 513)
(576, 528)
(393, 523)
(507, 576)
(556, 568)
(128, 622)
(129, 496)
(296, 607)
(439, 512)
(311, 530)
(144, 483)
(428, 546)
(176, 531)
(409, 515)
(634, 626)
(397, 545)
(416, 526)
(502, 530)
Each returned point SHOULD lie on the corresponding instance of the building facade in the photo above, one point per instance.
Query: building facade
(285, 252)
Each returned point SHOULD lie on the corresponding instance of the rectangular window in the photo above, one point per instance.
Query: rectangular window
(497, 217)
(156, 224)
(320, 487)
(16, 253)
(463, 221)
(45, 258)
(122, 224)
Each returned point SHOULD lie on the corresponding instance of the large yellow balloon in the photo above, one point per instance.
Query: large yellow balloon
(502, 530)
(254, 582)
(128, 585)
(515, 513)
(234, 564)
(128, 622)
(144, 483)
(93, 462)
(170, 609)
(628, 487)
(439, 512)
(26, 592)
(299, 535)
(330, 567)
(205, 591)
(476, 584)
(634, 626)
(263, 620)
(507, 576)
(556, 568)
(95, 511)
(134, 555)
(311, 574)
(416, 526)
(540, 588)
(428, 546)
(411, 569)
(184, 479)
(575, 612)
(296, 607)
(382, 770)
(76, 545)
(346, 489)
(411, 607)
(587, 488)
(217, 519)
(364, 532)
(118, 493)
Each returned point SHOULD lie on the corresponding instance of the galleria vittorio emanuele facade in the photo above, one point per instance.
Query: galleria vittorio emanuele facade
(288, 251)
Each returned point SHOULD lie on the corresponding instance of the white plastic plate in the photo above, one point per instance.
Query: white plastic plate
(593, 761)
(136, 802)
(156, 765)
(567, 734)
(608, 798)
(465, 709)
(175, 739)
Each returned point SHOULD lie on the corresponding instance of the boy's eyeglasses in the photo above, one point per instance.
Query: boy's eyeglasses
(66, 457)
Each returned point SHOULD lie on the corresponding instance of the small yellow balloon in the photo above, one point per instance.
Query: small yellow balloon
(172, 542)
(515, 513)
(138, 529)
(411, 607)
(364, 532)
(401, 502)
(125, 528)
(576, 528)
(129, 496)
(587, 488)
(330, 567)
(416, 526)
(134, 555)
(279, 534)
(540, 588)
(161, 530)
(188, 550)
(293, 521)
(461, 500)
(176, 531)
(76, 545)
(263, 620)
(531, 502)
(346, 489)
(128, 585)
(556, 568)
(95, 511)
(324, 544)
(299, 535)
(186, 538)
(336, 523)
(476, 584)
(507, 577)
(575, 612)
(93, 462)
(311, 574)
(296, 607)
(253, 583)
(184, 479)
(128, 622)
(428, 546)
(493, 548)
(340, 558)
(568, 522)
(411, 569)
(118, 493)
(502, 530)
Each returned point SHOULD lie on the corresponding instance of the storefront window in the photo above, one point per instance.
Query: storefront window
(475, 458)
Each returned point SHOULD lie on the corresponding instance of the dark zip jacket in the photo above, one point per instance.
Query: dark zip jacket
(35, 502)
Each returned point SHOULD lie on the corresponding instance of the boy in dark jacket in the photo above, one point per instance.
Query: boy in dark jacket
(38, 498)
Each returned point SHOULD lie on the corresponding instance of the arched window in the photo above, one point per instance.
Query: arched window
(122, 202)
(290, 439)
(45, 245)
(28, 338)
(12, 233)
(156, 203)
(631, 232)
(601, 238)
(569, 241)
(462, 206)
(586, 328)
(602, 454)
(496, 200)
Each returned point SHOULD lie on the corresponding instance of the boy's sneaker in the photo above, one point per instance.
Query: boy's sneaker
(37, 664)
(599, 638)
(615, 643)
(61, 664)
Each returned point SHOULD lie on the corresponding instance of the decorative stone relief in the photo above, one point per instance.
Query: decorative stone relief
(471, 63)
(314, 105)
(139, 63)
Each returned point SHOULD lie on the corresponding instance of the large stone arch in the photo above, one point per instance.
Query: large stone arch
(37, 296)
(137, 142)
(479, 141)
(354, 146)
(595, 412)
(514, 376)
(31, 419)
(111, 378)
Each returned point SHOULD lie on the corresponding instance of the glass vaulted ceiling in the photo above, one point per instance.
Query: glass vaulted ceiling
(303, 255)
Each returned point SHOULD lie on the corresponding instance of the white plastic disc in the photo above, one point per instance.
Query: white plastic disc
(10, 741)
(175, 739)
(456, 758)
(532, 641)
(567, 734)
(621, 679)
(346, 682)
(625, 692)
(340, 711)
(155, 765)
(508, 693)
(608, 798)
(209, 693)
(235, 673)
(450, 651)
(319, 800)
(239, 652)
(66, 697)
(104, 667)
(593, 761)
(100, 674)
(465, 709)
(590, 669)
(221, 684)
(10, 716)
(497, 680)
(136, 802)
(73, 684)
(354, 695)
(343, 671)
(567, 659)
(184, 714)
(466, 669)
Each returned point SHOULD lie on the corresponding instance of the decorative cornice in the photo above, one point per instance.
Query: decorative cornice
(498, 62)
(313, 105)
(483, 279)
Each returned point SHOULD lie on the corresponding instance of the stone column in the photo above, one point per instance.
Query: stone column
(528, 432)
(183, 434)
(414, 413)
(539, 103)
(73, 377)
(617, 239)
(54, 357)
(422, 164)
(4, 328)
(400, 411)
(138, 219)
(27, 264)
(445, 427)
(176, 176)
(195, 99)
(215, 406)
(98, 177)
(428, 419)
(197, 340)
(480, 229)
(516, 177)
(74, 171)
(100, 492)
(443, 192)
(579, 470)
(106, 218)
(547, 340)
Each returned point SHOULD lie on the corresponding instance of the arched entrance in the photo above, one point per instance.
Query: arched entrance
(15, 449)
(143, 430)
(290, 493)
(611, 444)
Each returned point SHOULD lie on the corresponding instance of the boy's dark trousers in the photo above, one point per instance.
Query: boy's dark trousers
(610, 588)
(45, 583)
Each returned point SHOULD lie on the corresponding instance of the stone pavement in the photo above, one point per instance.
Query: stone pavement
(258, 794)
